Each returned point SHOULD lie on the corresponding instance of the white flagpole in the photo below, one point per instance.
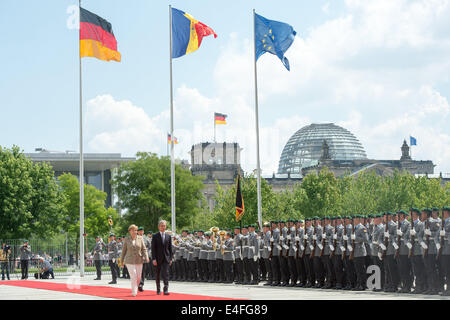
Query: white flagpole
(172, 162)
(258, 168)
(81, 173)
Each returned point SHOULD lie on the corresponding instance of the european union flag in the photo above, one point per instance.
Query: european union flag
(412, 141)
(274, 37)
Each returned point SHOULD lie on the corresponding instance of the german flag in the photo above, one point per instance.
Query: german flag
(220, 118)
(239, 200)
(169, 139)
(97, 38)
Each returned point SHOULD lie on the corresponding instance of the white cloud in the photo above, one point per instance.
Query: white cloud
(375, 70)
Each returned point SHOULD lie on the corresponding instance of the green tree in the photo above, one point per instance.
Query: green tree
(322, 194)
(30, 200)
(95, 213)
(143, 187)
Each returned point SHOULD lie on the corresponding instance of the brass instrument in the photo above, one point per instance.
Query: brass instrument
(214, 231)
(222, 234)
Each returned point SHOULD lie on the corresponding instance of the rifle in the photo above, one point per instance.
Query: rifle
(442, 238)
(427, 239)
(271, 244)
(411, 251)
(345, 241)
(288, 242)
(398, 239)
(334, 244)
(386, 240)
(305, 242)
(352, 254)
(323, 243)
(314, 243)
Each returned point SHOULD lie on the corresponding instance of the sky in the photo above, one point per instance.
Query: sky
(378, 68)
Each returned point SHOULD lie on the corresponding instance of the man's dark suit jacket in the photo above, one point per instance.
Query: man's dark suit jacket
(161, 252)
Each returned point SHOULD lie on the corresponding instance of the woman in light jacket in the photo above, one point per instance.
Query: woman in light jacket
(134, 254)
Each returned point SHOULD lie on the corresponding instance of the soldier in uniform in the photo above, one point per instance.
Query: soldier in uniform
(309, 250)
(377, 249)
(238, 256)
(285, 276)
(292, 253)
(299, 258)
(327, 250)
(390, 263)
(146, 265)
(245, 248)
(433, 226)
(5, 252)
(440, 222)
(219, 260)
(202, 258)
(97, 252)
(176, 257)
(261, 263)
(197, 248)
(404, 263)
(360, 238)
(275, 254)
(253, 253)
(228, 258)
(445, 255)
(25, 256)
(368, 223)
(417, 233)
(212, 267)
(318, 266)
(349, 265)
(339, 253)
(266, 252)
(113, 254)
(190, 245)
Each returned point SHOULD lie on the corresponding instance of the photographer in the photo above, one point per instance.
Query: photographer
(46, 270)
(4, 260)
(25, 254)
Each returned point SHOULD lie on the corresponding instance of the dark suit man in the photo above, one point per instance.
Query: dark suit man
(162, 256)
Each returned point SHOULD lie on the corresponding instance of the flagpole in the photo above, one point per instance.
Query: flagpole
(172, 163)
(258, 168)
(214, 128)
(81, 173)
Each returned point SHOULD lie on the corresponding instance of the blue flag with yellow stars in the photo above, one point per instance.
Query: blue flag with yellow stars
(274, 37)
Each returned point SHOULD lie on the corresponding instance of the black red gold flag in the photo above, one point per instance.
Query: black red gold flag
(97, 38)
(239, 200)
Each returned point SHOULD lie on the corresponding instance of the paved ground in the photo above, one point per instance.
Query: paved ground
(210, 289)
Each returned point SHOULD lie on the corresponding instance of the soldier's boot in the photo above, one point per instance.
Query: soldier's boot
(338, 286)
(446, 293)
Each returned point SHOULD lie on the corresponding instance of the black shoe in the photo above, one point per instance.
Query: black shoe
(158, 292)
(275, 284)
(445, 293)
(98, 279)
(140, 289)
(111, 282)
(417, 291)
(308, 285)
(292, 284)
(299, 285)
(267, 284)
(338, 287)
(166, 293)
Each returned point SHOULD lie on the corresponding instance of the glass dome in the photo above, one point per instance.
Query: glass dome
(304, 148)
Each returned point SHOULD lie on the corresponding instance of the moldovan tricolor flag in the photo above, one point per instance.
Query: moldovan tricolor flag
(97, 38)
(187, 33)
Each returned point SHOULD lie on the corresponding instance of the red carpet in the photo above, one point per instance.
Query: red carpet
(108, 292)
